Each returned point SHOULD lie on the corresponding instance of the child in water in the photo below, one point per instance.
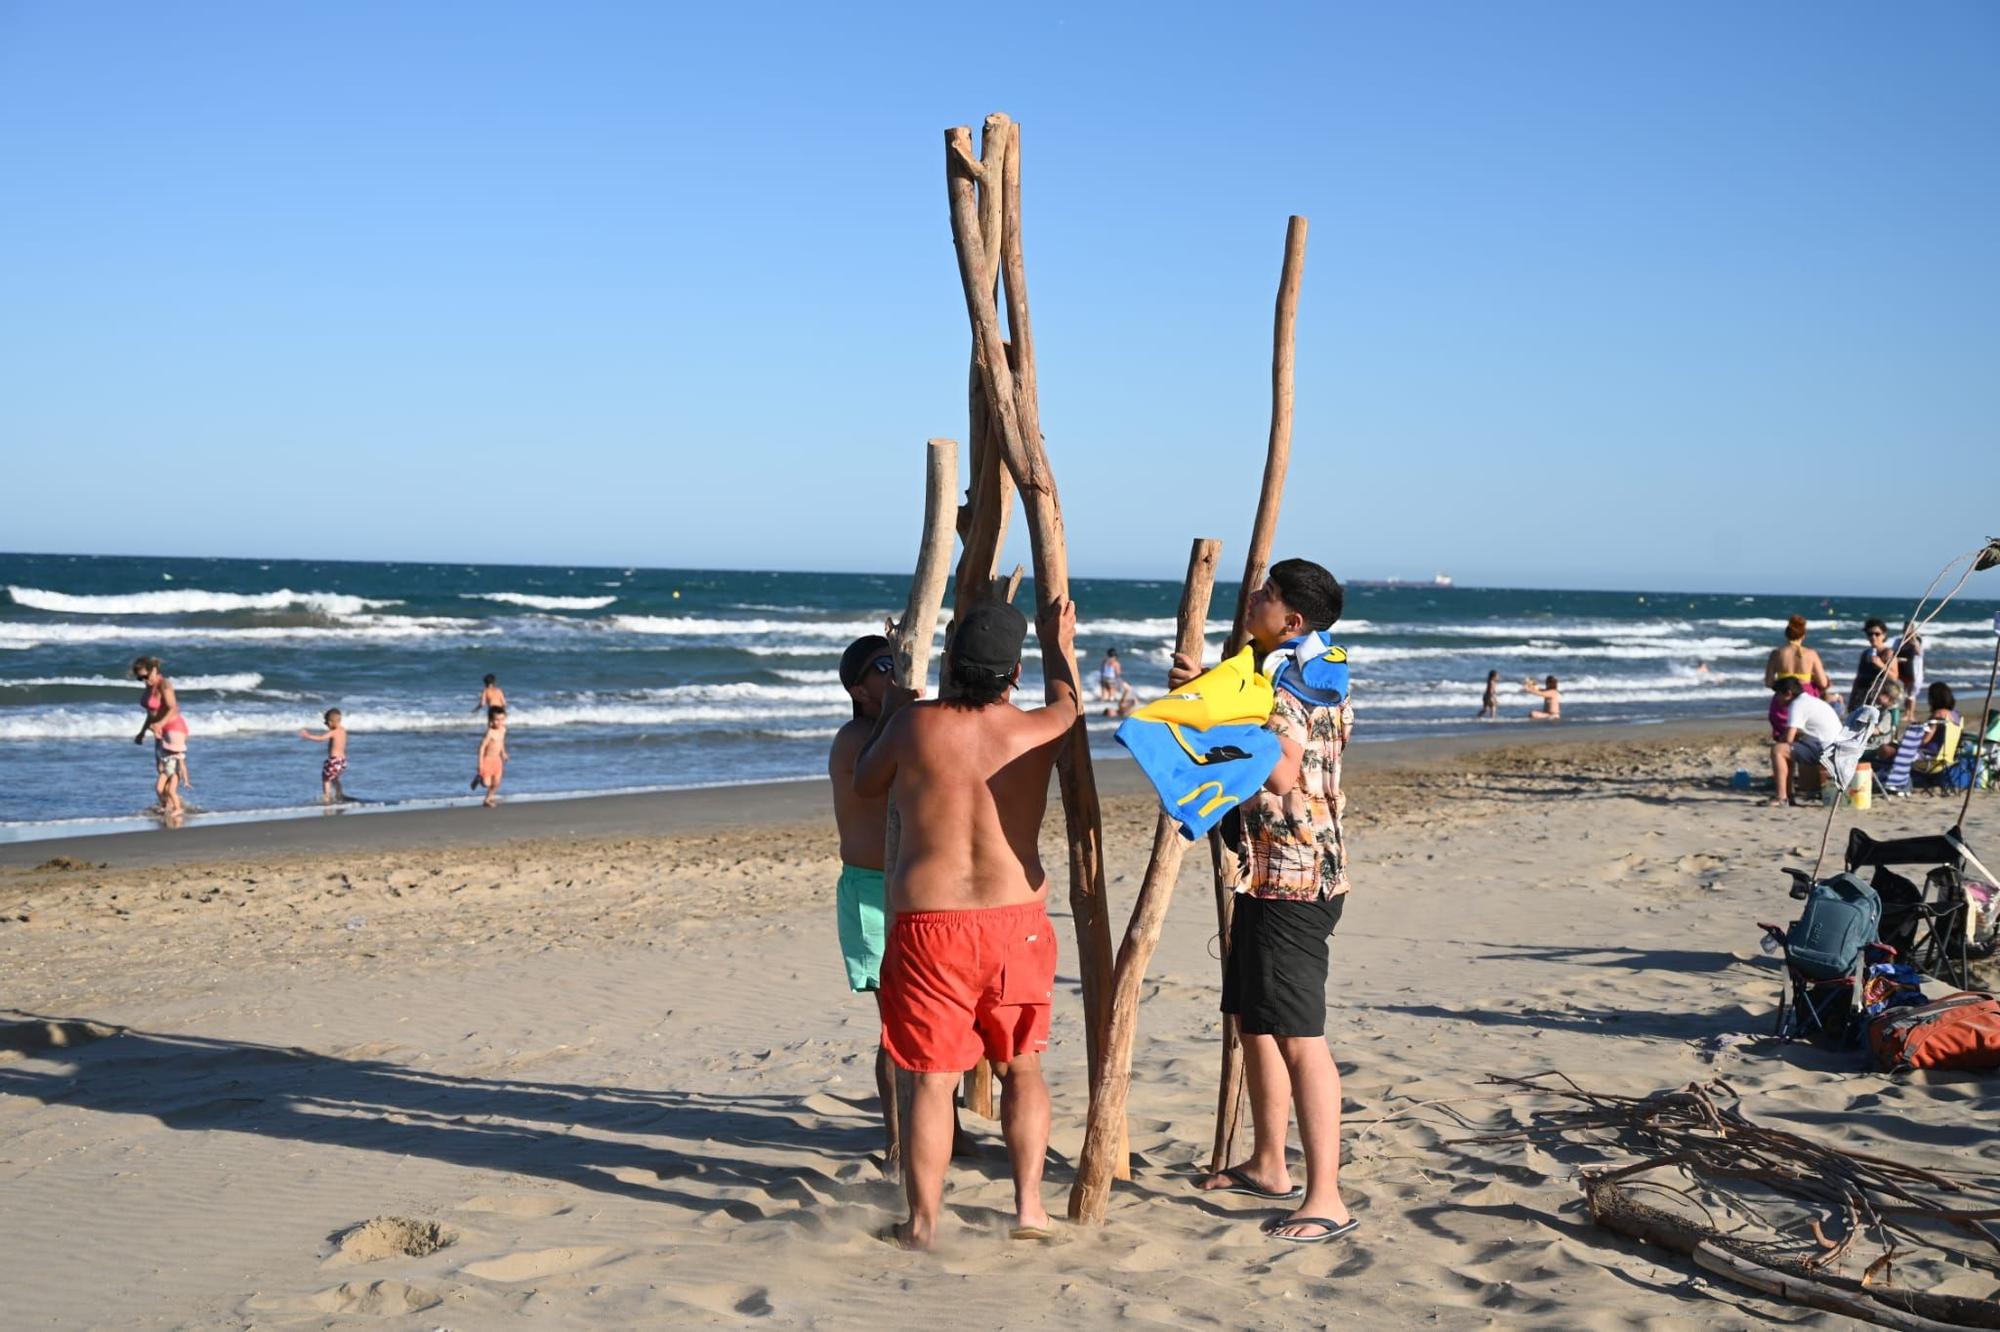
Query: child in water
(335, 736)
(1489, 707)
(492, 755)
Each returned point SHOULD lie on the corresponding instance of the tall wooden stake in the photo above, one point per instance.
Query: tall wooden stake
(910, 642)
(1277, 456)
(1103, 1139)
(1012, 400)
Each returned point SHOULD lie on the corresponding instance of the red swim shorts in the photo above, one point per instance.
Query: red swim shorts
(960, 984)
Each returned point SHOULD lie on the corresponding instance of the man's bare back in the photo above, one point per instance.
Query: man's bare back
(858, 818)
(971, 786)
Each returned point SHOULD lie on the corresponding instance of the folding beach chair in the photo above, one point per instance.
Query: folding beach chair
(1896, 781)
(1929, 926)
(1928, 773)
(1827, 954)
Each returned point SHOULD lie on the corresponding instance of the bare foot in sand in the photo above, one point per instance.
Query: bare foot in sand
(909, 1235)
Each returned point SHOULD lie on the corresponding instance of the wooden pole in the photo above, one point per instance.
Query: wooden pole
(1018, 416)
(1277, 457)
(910, 642)
(1103, 1139)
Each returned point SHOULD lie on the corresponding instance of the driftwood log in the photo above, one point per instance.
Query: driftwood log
(1263, 533)
(1700, 1131)
(1016, 424)
(1103, 1139)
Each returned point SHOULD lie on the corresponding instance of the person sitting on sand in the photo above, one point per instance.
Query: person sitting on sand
(970, 966)
(335, 736)
(492, 756)
(1793, 660)
(865, 672)
(1295, 887)
(1489, 706)
(1811, 725)
(490, 697)
(1550, 692)
(1123, 701)
(169, 730)
(1110, 675)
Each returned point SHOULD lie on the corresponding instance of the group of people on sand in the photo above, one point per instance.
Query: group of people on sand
(1549, 692)
(1807, 714)
(958, 950)
(169, 728)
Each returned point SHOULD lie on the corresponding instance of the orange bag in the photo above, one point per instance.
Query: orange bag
(1959, 1031)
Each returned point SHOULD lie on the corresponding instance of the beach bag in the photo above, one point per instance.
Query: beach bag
(1960, 1031)
(1959, 776)
(1841, 917)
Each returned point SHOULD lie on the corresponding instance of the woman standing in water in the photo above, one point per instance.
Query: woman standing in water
(170, 734)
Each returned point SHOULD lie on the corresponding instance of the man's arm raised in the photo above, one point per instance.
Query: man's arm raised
(1056, 628)
(875, 767)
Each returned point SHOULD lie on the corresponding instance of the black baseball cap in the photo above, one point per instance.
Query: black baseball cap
(862, 653)
(988, 640)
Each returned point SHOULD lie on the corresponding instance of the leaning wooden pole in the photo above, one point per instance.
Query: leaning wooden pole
(1277, 457)
(1103, 1139)
(910, 643)
(1017, 415)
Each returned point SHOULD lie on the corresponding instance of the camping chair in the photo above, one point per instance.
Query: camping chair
(1928, 772)
(1827, 964)
(1986, 767)
(1927, 926)
(1896, 781)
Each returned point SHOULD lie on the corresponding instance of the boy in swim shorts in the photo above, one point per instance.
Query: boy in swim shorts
(970, 966)
(335, 738)
(492, 756)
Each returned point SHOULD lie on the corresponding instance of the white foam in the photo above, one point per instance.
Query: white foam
(355, 629)
(242, 683)
(191, 602)
(809, 677)
(535, 602)
(698, 626)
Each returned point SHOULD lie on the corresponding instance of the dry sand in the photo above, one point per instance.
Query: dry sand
(619, 1080)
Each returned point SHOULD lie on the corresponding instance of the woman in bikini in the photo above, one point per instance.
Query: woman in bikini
(1550, 692)
(170, 734)
(1794, 661)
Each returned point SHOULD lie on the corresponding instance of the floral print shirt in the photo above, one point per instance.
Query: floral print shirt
(1293, 843)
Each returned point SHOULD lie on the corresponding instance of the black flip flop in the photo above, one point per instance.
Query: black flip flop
(1329, 1229)
(1244, 1184)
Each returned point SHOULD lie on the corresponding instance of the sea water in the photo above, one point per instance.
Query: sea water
(629, 678)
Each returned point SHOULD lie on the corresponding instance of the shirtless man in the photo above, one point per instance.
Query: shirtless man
(971, 959)
(865, 671)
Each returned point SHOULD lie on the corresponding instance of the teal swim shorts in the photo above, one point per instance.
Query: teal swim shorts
(863, 926)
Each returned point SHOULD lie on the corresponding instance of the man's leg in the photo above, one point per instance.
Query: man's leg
(885, 1088)
(1024, 1120)
(1270, 1118)
(1781, 769)
(1315, 1084)
(927, 1148)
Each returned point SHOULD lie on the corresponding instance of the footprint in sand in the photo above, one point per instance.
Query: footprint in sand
(523, 1205)
(380, 1299)
(534, 1264)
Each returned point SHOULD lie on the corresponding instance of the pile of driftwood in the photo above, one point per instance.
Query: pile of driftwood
(1849, 1198)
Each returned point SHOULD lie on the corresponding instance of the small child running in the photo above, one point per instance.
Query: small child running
(492, 696)
(335, 738)
(492, 755)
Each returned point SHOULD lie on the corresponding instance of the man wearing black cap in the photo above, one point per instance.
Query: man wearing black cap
(865, 670)
(970, 966)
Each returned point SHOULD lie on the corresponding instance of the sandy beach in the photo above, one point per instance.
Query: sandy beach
(607, 1056)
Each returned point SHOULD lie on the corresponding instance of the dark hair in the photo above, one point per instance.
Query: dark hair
(975, 686)
(497, 710)
(1795, 629)
(1551, 683)
(145, 665)
(1491, 676)
(329, 715)
(1870, 626)
(1941, 696)
(1111, 652)
(1310, 590)
(492, 679)
(1788, 685)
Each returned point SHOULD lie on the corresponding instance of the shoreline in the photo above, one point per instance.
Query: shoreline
(666, 813)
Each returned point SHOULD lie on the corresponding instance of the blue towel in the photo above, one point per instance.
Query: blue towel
(1311, 668)
(1200, 774)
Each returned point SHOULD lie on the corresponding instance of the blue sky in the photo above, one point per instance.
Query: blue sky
(1692, 296)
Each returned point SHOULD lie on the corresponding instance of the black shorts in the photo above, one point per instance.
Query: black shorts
(1274, 982)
